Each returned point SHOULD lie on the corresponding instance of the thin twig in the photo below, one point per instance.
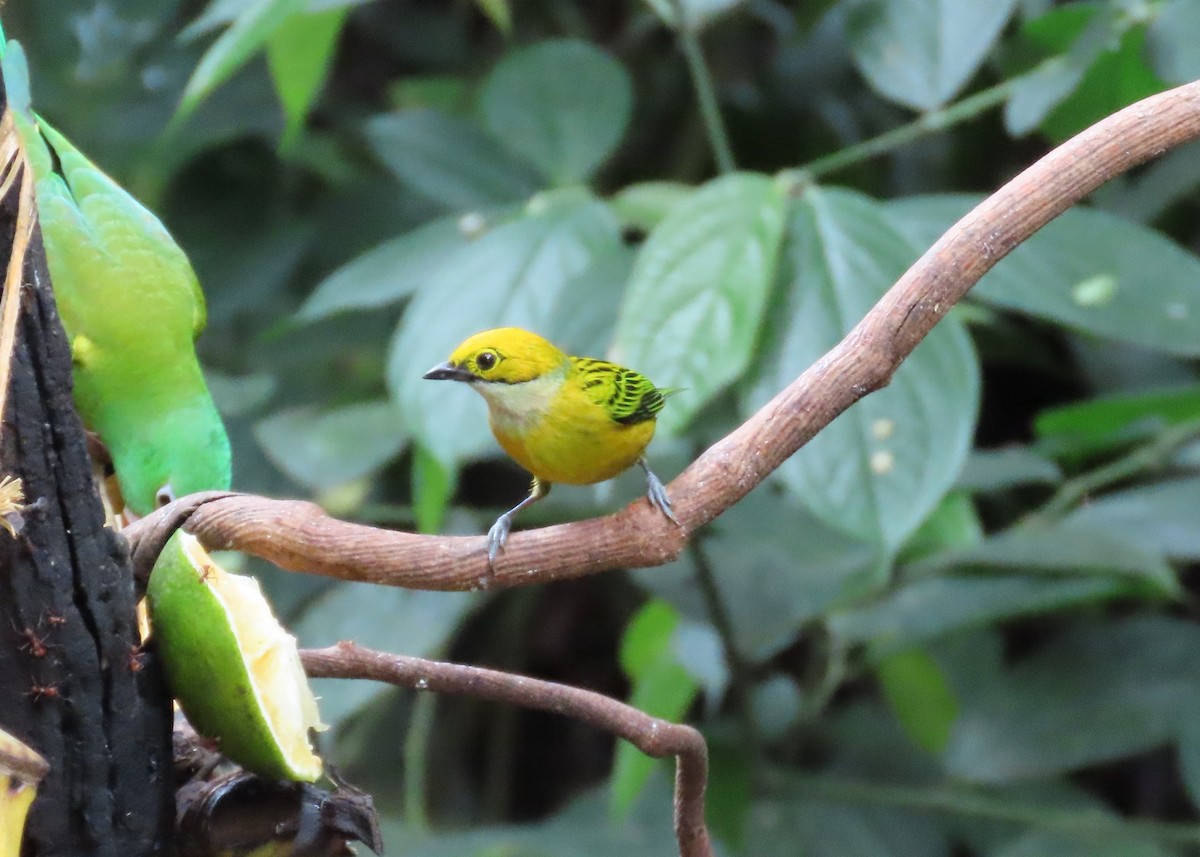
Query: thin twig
(654, 737)
(12, 162)
(927, 123)
(687, 30)
(300, 537)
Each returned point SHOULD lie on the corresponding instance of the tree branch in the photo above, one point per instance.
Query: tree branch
(654, 737)
(300, 537)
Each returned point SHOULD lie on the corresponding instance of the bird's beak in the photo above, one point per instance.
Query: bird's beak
(448, 372)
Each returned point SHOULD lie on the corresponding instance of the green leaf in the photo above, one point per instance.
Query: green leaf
(646, 204)
(299, 53)
(953, 524)
(499, 13)
(880, 468)
(998, 469)
(791, 822)
(233, 48)
(237, 396)
(387, 618)
(1160, 518)
(388, 272)
(511, 275)
(563, 105)
(695, 301)
(920, 53)
(1096, 694)
(585, 313)
(1189, 759)
(449, 159)
(647, 637)
(776, 567)
(1115, 80)
(920, 696)
(1156, 298)
(934, 607)
(1075, 36)
(1039, 844)
(1171, 41)
(1109, 423)
(433, 488)
(321, 450)
(1058, 548)
(661, 687)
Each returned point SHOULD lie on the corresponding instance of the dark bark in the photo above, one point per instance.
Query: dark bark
(70, 686)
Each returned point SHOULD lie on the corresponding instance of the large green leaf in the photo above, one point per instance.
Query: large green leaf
(512, 275)
(1101, 68)
(322, 450)
(449, 159)
(1161, 518)
(1108, 423)
(1095, 694)
(1074, 37)
(388, 272)
(1039, 844)
(934, 607)
(562, 105)
(1062, 547)
(919, 53)
(1086, 269)
(795, 823)
(245, 36)
(696, 298)
(882, 466)
(299, 53)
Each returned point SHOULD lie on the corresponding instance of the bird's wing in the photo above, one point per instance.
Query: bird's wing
(155, 273)
(628, 396)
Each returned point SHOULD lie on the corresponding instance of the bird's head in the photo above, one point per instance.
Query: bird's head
(506, 355)
(153, 471)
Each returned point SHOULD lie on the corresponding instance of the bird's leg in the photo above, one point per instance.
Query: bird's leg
(657, 492)
(498, 534)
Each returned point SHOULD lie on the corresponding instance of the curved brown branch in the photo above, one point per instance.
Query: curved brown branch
(654, 737)
(298, 536)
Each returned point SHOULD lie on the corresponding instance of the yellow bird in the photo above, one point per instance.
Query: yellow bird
(564, 419)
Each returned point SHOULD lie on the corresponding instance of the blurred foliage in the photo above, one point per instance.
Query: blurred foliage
(958, 621)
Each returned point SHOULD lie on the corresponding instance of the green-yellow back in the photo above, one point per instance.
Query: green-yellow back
(132, 308)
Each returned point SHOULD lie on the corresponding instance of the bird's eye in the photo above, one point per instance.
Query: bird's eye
(486, 360)
(164, 496)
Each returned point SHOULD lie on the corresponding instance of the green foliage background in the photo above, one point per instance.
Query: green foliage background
(960, 621)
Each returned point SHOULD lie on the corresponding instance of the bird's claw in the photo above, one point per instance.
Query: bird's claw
(498, 535)
(656, 492)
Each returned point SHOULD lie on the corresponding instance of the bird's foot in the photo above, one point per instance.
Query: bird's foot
(656, 492)
(498, 535)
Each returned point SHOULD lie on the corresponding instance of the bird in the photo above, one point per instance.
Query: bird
(573, 420)
(132, 308)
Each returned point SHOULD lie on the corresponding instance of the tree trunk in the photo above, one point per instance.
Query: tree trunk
(72, 685)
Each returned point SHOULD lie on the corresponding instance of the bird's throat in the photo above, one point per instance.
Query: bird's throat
(516, 408)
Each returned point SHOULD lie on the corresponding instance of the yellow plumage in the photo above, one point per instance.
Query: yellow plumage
(564, 419)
